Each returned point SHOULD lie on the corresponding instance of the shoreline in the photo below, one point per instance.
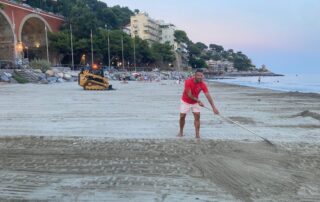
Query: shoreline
(213, 75)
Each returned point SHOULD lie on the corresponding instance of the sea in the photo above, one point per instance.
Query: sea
(304, 83)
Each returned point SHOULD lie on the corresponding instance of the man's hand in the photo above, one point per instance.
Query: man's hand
(200, 103)
(215, 110)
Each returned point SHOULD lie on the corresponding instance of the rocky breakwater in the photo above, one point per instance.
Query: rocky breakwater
(28, 75)
(60, 74)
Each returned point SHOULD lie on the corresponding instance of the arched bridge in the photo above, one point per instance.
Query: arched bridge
(23, 31)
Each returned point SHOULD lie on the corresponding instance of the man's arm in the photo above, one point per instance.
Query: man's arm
(210, 100)
(191, 96)
(194, 98)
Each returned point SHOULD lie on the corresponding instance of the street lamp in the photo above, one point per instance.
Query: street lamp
(122, 51)
(71, 43)
(37, 44)
(106, 26)
(19, 47)
(134, 54)
(91, 48)
(45, 28)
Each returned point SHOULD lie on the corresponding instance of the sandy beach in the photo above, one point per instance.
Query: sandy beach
(60, 143)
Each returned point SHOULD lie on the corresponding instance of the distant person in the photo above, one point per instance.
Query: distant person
(259, 79)
(190, 101)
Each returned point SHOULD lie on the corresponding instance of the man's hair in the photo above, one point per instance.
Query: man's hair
(199, 71)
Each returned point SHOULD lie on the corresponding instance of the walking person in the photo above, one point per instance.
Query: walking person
(190, 101)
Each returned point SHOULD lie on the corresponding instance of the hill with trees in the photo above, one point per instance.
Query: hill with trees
(199, 53)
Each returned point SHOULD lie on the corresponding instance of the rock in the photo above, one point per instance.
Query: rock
(7, 74)
(50, 73)
(67, 77)
(60, 80)
(37, 71)
(73, 74)
(61, 69)
(44, 81)
(3, 77)
(41, 76)
(55, 70)
(59, 75)
(52, 79)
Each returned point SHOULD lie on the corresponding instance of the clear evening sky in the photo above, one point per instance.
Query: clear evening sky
(282, 34)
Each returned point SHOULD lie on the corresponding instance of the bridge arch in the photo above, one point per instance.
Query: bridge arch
(32, 35)
(7, 37)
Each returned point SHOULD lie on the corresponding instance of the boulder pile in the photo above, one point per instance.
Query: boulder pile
(54, 75)
(63, 74)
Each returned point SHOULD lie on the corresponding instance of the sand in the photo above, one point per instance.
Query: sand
(60, 143)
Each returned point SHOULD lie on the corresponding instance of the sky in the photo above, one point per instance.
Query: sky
(284, 35)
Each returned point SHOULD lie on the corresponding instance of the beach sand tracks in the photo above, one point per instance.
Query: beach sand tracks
(305, 119)
(307, 113)
(256, 171)
(243, 120)
(42, 168)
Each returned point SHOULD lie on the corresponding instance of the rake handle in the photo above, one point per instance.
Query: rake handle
(228, 119)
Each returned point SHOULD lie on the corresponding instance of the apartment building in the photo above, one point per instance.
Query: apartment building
(220, 66)
(141, 25)
(167, 33)
(145, 27)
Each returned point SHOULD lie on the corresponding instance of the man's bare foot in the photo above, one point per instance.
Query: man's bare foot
(180, 135)
(198, 136)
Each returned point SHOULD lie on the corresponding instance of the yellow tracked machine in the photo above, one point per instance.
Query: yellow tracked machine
(93, 79)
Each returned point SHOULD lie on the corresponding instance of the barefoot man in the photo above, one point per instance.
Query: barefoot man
(190, 101)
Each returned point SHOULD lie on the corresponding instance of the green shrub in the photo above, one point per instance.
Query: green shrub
(19, 79)
(44, 65)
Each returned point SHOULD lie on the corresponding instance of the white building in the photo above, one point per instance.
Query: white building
(145, 27)
(167, 33)
(220, 66)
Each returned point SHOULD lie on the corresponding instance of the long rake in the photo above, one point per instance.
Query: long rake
(241, 126)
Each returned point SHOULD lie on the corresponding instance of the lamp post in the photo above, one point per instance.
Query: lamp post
(45, 28)
(91, 49)
(106, 26)
(14, 39)
(122, 51)
(71, 41)
(134, 54)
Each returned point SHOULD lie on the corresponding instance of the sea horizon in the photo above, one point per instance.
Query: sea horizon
(304, 83)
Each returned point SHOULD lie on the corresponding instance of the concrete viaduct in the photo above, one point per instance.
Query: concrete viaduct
(23, 31)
